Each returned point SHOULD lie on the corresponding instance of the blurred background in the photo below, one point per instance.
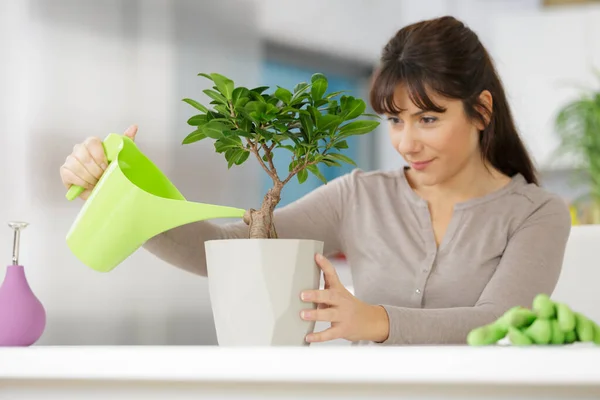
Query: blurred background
(70, 69)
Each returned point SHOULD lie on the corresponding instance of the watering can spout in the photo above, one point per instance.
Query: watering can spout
(176, 213)
(133, 202)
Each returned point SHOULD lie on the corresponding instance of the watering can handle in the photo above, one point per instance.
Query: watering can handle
(113, 143)
(74, 192)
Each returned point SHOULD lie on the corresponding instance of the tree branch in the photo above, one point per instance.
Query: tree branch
(267, 150)
(254, 150)
(298, 169)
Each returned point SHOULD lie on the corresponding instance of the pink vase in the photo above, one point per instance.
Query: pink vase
(22, 315)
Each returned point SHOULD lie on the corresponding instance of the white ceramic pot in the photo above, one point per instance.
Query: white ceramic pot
(255, 287)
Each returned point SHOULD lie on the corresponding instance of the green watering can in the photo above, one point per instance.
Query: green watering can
(132, 202)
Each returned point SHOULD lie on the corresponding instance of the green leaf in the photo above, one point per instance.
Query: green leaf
(287, 147)
(372, 115)
(195, 136)
(224, 85)
(222, 109)
(218, 97)
(333, 107)
(259, 89)
(246, 125)
(358, 128)
(341, 145)
(213, 129)
(211, 115)
(242, 102)
(225, 121)
(314, 113)
(330, 162)
(197, 120)
(300, 87)
(196, 105)
(273, 101)
(300, 94)
(315, 171)
(334, 94)
(328, 121)
(300, 150)
(354, 109)
(271, 111)
(238, 94)
(281, 127)
(283, 95)
(256, 110)
(307, 125)
(319, 86)
(258, 97)
(299, 101)
(341, 157)
(207, 76)
(321, 102)
(242, 157)
(264, 134)
(230, 156)
(240, 133)
(302, 176)
(224, 143)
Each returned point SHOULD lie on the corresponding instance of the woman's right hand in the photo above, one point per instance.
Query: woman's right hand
(86, 164)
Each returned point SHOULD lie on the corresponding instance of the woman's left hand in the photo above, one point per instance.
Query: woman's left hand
(350, 318)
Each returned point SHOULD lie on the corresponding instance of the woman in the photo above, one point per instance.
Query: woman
(436, 249)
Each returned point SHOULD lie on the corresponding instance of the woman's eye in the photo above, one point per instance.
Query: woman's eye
(394, 120)
(428, 120)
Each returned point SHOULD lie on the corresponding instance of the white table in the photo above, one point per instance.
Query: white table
(300, 373)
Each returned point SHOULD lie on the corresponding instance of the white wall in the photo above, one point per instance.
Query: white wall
(71, 69)
(545, 57)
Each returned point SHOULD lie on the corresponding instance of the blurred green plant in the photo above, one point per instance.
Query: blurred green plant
(310, 123)
(578, 127)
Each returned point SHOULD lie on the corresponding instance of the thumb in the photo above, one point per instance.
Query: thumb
(329, 272)
(131, 132)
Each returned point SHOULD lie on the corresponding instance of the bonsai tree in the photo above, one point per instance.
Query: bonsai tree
(578, 127)
(307, 121)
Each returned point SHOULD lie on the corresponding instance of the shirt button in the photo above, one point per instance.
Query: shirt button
(425, 270)
(418, 291)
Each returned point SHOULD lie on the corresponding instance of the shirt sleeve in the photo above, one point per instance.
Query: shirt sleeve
(530, 265)
(316, 216)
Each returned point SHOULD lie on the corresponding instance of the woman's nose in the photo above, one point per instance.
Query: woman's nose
(408, 142)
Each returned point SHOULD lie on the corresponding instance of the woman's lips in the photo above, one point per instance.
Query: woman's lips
(420, 165)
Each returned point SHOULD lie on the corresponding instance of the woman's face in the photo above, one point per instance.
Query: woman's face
(437, 146)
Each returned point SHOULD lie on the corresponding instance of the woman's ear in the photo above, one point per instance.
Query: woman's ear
(485, 108)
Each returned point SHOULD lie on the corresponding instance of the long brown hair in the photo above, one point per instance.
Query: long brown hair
(447, 57)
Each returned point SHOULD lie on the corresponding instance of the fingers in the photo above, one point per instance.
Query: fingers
(324, 336)
(96, 150)
(329, 297)
(327, 314)
(131, 132)
(70, 178)
(85, 194)
(85, 165)
(81, 167)
(331, 276)
(87, 154)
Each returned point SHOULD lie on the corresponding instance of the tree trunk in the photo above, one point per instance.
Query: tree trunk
(260, 222)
